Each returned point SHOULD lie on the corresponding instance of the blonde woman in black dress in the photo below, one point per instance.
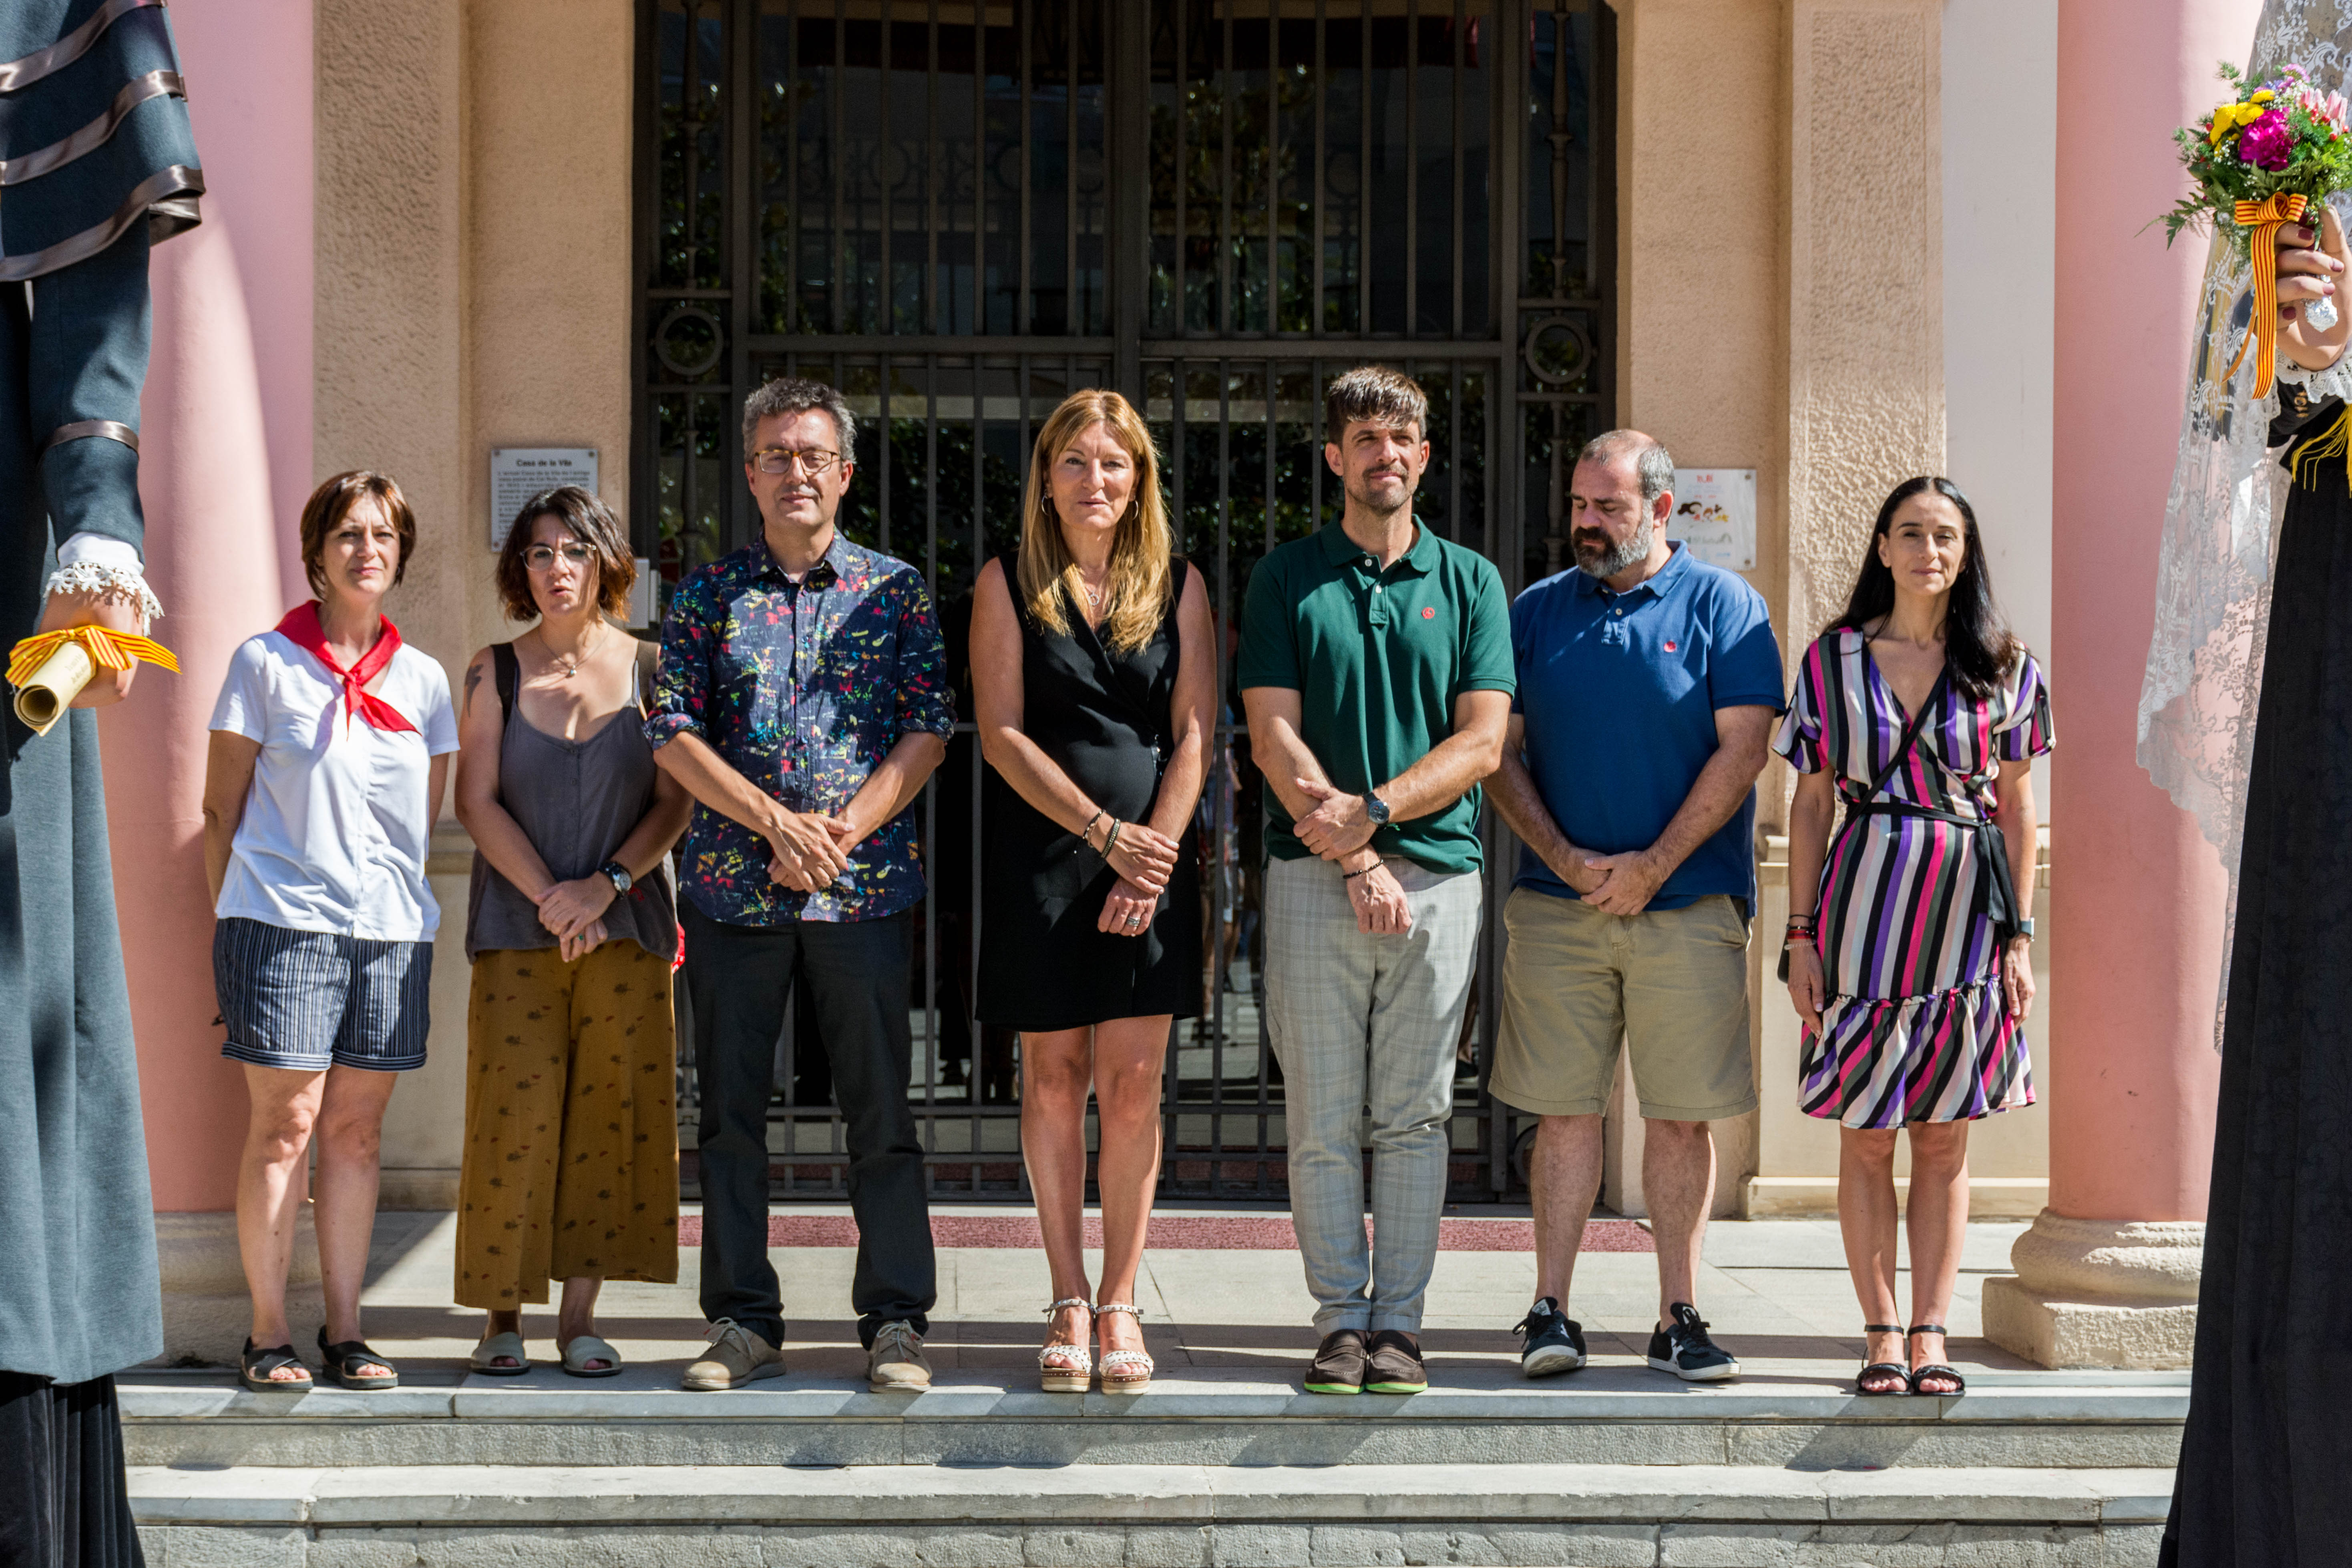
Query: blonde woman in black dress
(1093, 675)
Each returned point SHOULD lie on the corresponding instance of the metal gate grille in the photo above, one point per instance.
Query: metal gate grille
(959, 213)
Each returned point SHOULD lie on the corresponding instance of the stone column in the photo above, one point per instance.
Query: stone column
(225, 461)
(1865, 281)
(2107, 1276)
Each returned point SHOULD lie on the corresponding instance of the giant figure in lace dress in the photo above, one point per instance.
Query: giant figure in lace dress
(97, 163)
(2246, 607)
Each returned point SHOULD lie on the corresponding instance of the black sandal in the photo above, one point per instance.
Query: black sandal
(1900, 1373)
(1935, 1368)
(341, 1358)
(254, 1365)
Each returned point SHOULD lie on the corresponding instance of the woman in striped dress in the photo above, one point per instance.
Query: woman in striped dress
(1912, 970)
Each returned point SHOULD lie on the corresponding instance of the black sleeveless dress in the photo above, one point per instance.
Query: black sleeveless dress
(1104, 719)
(2263, 1472)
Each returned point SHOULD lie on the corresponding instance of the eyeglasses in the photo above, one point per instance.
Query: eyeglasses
(779, 460)
(540, 557)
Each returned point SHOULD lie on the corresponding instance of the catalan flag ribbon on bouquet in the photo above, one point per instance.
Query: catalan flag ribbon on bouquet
(49, 670)
(2273, 154)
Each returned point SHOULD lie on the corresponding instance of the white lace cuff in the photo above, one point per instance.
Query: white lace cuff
(95, 564)
(2320, 385)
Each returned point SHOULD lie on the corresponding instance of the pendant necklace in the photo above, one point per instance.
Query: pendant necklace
(567, 670)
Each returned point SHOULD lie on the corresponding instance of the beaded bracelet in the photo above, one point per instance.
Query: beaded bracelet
(1351, 876)
(1088, 828)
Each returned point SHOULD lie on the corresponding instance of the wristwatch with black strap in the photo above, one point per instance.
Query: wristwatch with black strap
(1376, 808)
(618, 875)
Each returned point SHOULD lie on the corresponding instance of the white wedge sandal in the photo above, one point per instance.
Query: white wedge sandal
(1123, 1372)
(1068, 1368)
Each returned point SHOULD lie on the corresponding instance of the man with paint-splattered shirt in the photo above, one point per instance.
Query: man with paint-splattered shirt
(803, 699)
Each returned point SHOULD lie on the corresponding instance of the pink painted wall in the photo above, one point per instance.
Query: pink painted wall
(225, 465)
(2136, 892)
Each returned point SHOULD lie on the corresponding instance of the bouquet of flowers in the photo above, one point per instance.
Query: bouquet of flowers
(2274, 151)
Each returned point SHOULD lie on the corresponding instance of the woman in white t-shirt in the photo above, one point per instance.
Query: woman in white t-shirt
(330, 751)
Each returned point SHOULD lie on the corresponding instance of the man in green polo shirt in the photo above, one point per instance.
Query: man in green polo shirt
(1376, 668)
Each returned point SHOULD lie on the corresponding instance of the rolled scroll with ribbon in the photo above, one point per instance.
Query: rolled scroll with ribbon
(2261, 220)
(49, 670)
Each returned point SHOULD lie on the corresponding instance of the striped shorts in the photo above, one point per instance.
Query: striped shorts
(310, 1000)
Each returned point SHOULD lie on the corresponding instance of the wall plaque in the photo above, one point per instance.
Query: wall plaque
(518, 473)
(1715, 513)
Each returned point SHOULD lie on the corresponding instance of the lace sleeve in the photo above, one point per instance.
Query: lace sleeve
(99, 563)
(2334, 383)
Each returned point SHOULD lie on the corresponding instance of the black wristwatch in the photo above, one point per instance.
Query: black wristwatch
(618, 875)
(1376, 808)
(2023, 928)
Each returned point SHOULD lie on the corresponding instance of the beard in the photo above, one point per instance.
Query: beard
(1359, 493)
(1595, 557)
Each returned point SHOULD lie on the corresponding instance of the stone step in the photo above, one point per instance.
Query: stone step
(1177, 1516)
(1602, 1416)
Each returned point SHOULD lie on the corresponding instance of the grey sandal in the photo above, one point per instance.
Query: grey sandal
(486, 1355)
(588, 1348)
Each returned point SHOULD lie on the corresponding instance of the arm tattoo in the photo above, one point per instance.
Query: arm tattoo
(473, 678)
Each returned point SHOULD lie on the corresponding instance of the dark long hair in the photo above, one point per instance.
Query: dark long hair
(1979, 649)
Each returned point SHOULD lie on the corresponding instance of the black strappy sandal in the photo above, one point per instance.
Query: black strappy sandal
(341, 1358)
(254, 1365)
(1897, 1370)
(1935, 1368)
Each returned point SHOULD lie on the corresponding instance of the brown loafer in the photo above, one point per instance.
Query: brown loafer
(1395, 1364)
(1338, 1365)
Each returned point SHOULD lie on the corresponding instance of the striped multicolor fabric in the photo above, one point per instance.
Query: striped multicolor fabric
(1917, 1029)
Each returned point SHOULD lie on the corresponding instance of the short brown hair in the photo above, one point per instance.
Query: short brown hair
(1377, 392)
(587, 520)
(332, 501)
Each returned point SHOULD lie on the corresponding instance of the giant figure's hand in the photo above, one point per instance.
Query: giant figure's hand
(114, 610)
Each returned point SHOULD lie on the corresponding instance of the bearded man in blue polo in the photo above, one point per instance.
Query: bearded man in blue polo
(1647, 686)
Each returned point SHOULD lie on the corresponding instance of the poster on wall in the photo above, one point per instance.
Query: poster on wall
(518, 473)
(1715, 513)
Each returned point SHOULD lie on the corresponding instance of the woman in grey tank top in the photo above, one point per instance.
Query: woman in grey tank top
(570, 1150)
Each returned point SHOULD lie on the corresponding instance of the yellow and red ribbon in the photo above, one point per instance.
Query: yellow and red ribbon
(108, 648)
(2263, 218)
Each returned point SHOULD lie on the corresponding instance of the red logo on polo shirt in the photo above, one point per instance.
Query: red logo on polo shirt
(1428, 612)
(1670, 645)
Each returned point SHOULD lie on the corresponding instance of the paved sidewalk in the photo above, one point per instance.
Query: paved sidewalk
(1776, 1292)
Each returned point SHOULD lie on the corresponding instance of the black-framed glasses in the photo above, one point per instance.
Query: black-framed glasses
(813, 462)
(540, 557)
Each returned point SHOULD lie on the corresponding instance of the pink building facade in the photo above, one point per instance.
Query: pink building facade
(435, 250)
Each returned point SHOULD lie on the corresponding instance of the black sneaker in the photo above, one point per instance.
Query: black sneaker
(1555, 1341)
(1339, 1363)
(1686, 1352)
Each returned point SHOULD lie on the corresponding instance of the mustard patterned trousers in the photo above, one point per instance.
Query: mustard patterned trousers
(571, 1161)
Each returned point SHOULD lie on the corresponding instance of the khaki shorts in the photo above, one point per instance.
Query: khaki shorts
(1671, 984)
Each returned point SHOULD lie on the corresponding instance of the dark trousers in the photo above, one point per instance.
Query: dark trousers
(740, 979)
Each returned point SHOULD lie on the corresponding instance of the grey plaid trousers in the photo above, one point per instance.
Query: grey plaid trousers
(1365, 1023)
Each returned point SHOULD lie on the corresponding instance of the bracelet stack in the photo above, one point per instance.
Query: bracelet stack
(1800, 931)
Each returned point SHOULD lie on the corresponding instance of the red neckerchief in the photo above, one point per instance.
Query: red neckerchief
(302, 628)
